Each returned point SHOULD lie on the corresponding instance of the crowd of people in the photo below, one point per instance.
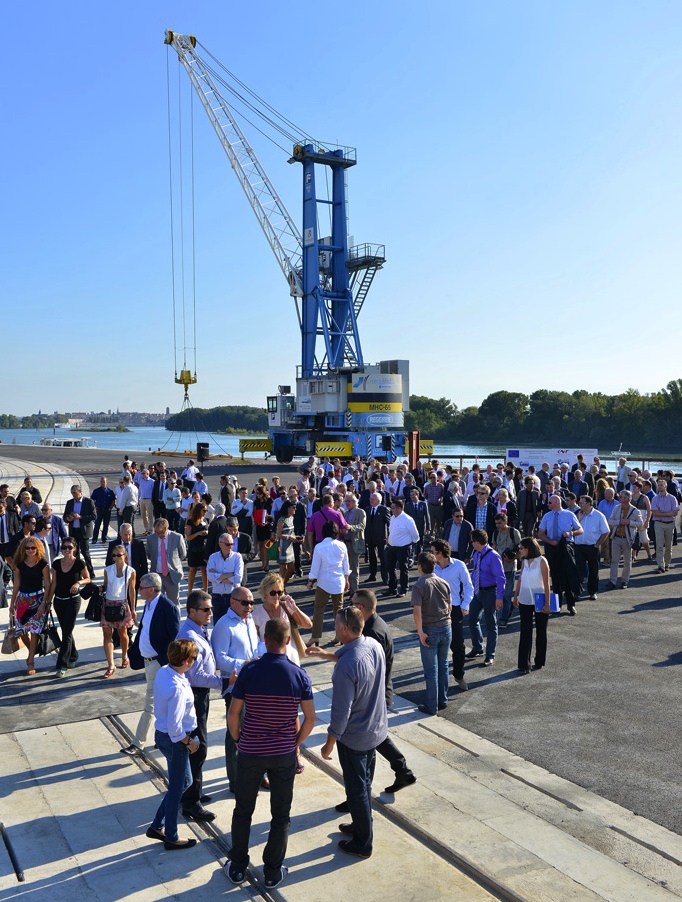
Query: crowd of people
(485, 543)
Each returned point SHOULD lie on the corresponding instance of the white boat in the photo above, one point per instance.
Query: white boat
(82, 442)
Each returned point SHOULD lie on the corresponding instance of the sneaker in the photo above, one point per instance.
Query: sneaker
(272, 882)
(233, 873)
(131, 750)
(60, 674)
(474, 654)
(388, 593)
(502, 624)
(400, 594)
(489, 662)
(463, 685)
(593, 597)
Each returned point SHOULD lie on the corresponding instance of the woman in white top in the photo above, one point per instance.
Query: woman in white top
(118, 606)
(277, 604)
(175, 720)
(533, 578)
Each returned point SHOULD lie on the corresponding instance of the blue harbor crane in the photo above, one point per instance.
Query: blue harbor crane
(342, 406)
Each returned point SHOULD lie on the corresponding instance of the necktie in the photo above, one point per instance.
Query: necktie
(476, 576)
(555, 526)
(204, 632)
(3, 531)
(164, 559)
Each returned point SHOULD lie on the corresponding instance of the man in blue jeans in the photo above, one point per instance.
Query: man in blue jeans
(358, 724)
(489, 583)
(268, 692)
(431, 608)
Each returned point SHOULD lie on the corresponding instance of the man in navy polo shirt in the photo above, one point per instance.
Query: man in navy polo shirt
(270, 690)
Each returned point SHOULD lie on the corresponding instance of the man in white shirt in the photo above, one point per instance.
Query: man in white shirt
(145, 487)
(402, 533)
(225, 569)
(127, 502)
(595, 533)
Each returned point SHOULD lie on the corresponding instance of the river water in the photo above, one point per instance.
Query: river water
(140, 441)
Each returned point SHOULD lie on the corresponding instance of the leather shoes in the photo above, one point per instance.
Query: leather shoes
(205, 798)
(342, 808)
(425, 710)
(179, 844)
(265, 783)
(346, 845)
(347, 829)
(401, 783)
(198, 813)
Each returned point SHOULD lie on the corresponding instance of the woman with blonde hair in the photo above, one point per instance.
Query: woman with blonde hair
(31, 576)
(118, 607)
(276, 603)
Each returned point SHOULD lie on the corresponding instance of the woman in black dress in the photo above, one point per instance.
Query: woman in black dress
(195, 534)
(69, 573)
(28, 605)
(261, 516)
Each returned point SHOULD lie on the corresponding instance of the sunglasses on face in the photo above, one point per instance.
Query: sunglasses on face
(244, 604)
(276, 592)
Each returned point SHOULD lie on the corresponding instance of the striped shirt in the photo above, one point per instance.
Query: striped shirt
(272, 689)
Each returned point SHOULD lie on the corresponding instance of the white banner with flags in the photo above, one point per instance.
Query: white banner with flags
(525, 457)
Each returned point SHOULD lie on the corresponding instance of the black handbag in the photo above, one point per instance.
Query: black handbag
(115, 612)
(50, 638)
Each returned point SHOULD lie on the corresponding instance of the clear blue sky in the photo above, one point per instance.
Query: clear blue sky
(520, 160)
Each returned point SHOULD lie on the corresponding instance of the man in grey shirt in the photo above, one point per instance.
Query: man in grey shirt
(358, 724)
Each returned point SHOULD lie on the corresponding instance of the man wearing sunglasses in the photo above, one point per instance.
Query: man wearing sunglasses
(235, 642)
(202, 678)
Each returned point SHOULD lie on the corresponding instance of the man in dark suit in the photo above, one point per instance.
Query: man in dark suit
(10, 525)
(159, 626)
(578, 486)
(137, 556)
(419, 511)
(475, 507)
(300, 524)
(57, 529)
(160, 485)
(376, 534)
(80, 514)
(31, 489)
(216, 528)
(457, 533)
(243, 544)
(527, 505)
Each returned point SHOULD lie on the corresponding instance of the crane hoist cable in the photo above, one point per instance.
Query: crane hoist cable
(186, 377)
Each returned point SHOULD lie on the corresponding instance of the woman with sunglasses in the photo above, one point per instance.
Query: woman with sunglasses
(68, 574)
(119, 601)
(196, 531)
(31, 584)
(276, 604)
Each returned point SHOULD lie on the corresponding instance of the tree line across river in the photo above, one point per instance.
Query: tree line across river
(569, 418)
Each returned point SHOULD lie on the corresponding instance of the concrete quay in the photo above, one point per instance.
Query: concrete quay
(480, 823)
